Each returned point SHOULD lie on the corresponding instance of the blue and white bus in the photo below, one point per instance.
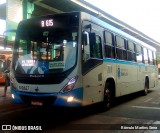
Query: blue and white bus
(97, 62)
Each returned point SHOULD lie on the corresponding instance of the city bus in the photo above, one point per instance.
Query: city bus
(97, 62)
(3, 63)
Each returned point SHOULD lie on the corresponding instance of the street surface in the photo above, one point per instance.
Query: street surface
(132, 113)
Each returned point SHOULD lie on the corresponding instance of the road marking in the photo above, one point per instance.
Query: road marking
(148, 100)
(143, 107)
(155, 102)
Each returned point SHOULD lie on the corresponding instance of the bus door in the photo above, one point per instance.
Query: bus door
(92, 67)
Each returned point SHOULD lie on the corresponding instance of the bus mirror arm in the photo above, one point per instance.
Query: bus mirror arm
(5, 41)
(89, 26)
(92, 41)
(84, 39)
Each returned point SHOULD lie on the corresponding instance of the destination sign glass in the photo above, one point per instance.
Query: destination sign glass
(47, 23)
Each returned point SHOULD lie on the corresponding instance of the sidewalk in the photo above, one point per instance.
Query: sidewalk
(8, 95)
(6, 105)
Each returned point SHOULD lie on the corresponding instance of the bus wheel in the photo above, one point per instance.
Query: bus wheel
(107, 102)
(146, 87)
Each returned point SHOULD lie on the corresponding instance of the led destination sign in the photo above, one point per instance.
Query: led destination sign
(47, 23)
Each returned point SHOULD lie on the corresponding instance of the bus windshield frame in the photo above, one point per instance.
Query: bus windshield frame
(39, 40)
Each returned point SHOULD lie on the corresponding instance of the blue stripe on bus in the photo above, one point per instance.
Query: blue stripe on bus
(126, 62)
(60, 99)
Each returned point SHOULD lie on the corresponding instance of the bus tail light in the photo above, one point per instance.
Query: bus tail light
(70, 84)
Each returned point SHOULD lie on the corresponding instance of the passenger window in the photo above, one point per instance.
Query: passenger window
(150, 57)
(120, 50)
(145, 55)
(92, 52)
(120, 42)
(138, 54)
(109, 45)
(108, 38)
(154, 58)
(97, 49)
(121, 54)
(131, 55)
(109, 51)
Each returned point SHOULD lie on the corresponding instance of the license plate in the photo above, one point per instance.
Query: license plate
(24, 88)
(36, 102)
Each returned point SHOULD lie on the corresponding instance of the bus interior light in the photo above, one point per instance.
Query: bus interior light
(70, 84)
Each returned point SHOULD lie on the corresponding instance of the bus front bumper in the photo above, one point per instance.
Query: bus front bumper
(73, 98)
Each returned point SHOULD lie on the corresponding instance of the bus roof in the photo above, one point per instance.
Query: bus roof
(116, 30)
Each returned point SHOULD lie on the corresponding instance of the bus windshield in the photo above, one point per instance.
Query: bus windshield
(44, 50)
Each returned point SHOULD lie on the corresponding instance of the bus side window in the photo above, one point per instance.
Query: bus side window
(91, 46)
(109, 45)
(145, 55)
(97, 50)
(154, 58)
(138, 54)
(93, 50)
(121, 49)
(95, 45)
(131, 55)
(150, 57)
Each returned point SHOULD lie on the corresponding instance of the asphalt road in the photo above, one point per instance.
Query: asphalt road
(132, 113)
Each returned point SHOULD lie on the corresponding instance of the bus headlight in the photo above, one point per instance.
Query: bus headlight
(70, 84)
(13, 96)
(70, 99)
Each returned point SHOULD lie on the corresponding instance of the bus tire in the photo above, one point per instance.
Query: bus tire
(146, 87)
(107, 102)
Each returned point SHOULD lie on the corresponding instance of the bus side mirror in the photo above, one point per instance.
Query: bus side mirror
(92, 39)
(84, 39)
